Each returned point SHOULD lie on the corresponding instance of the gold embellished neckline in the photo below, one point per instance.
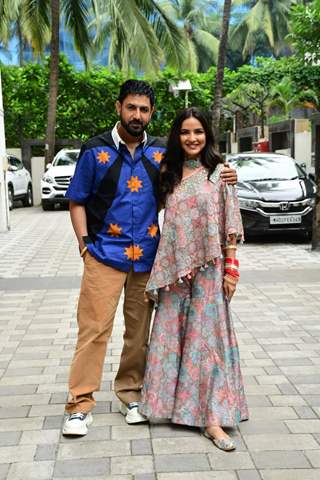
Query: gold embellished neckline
(193, 173)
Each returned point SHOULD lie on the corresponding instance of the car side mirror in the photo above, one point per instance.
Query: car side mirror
(48, 165)
(12, 168)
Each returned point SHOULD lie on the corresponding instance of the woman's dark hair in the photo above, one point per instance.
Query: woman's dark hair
(171, 173)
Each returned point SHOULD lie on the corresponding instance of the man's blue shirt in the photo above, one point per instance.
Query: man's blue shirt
(120, 197)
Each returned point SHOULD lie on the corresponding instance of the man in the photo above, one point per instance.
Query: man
(113, 208)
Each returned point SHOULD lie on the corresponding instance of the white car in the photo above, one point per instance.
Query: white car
(57, 177)
(19, 182)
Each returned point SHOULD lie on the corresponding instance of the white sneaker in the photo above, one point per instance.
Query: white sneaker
(77, 424)
(131, 413)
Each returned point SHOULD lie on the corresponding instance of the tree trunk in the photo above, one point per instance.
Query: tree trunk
(20, 42)
(316, 212)
(216, 111)
(53, 82)
(262, 120)
(4, 207)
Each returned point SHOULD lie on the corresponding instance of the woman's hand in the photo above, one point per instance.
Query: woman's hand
(229, 289)
(229, 175)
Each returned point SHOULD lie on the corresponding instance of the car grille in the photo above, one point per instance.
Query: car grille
(287, 207)
(63, 181)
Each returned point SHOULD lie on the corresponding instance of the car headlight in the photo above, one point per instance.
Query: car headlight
(47, 179)
(311, 202)
(248, 204)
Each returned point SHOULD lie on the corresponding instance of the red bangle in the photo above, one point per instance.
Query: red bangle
(233, 273)
(233, 267)
(231, 261)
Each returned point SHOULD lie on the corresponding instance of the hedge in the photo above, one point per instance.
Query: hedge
(86, 99)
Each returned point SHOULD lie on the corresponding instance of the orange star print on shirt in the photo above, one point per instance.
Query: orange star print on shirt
(153, 230)
(114, 230)
(103, 157)
(134, 184)
(157, 156)
(134, 252)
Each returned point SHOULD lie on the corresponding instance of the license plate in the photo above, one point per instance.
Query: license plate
(285, 219)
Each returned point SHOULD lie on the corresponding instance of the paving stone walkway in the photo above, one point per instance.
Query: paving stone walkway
(277, 318)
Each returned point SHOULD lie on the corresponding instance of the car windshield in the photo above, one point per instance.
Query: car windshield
(66, 158)
(271, 167)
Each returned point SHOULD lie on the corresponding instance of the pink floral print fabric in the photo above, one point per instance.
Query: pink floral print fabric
(199, 216)
(193, 372)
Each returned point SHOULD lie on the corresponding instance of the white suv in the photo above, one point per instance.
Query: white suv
(19, 182)
(56, 179)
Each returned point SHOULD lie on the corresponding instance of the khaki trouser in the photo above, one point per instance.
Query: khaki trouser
(99, 297)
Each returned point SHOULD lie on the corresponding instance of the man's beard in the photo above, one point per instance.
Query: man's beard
(134, 132)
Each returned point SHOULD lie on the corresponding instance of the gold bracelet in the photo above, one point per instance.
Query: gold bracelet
(83, 251)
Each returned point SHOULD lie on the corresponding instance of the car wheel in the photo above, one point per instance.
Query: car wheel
(10, 197)
(308, 235)
(47, 206)
(28, 199)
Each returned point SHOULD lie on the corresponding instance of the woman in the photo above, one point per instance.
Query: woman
(193, 371)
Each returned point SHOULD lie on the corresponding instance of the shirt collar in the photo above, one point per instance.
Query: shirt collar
(117, 139)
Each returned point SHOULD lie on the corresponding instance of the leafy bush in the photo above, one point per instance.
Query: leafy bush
(86, 99)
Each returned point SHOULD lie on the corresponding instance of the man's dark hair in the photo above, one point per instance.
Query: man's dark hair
(136, 87)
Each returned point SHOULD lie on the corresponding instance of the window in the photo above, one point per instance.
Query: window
(15, 162)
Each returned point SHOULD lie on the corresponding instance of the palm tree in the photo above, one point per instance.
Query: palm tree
(5, 19)
(285, 96)
(216, 110)
(15, 23)
(141, 34)
(53, 82)
(76, 15)
(263, 28)
(201, 30)
(37, 18)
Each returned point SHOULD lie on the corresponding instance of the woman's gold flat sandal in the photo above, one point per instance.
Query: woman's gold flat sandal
(225, 444)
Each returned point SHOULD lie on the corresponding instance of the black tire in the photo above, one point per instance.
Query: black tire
(28, 199)
(308, 235)
(47, 206)
(10, 197)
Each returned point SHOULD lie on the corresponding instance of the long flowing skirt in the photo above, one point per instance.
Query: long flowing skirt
(193, 372)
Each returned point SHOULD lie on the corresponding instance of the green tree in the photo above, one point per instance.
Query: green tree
(305, 31)
(15, 21)
(286, 96)
(216, 110)
(37, 18)
(249, 97)
(53, 82)
(305, 36)
(201, 31)
(86, 98)
(141, 35)
(263, 28)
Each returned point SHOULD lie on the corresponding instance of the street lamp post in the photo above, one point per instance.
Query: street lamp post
(181, 86)
(4, 207)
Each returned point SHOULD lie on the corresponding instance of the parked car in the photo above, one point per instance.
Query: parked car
(275, 193)
(19, 182)
(57, 177)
